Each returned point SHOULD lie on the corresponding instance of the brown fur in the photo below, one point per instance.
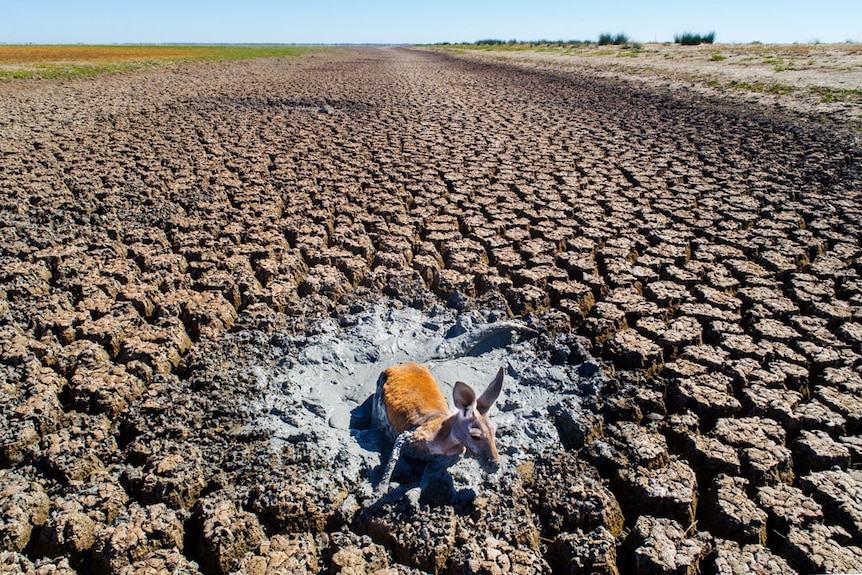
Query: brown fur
(412, 397)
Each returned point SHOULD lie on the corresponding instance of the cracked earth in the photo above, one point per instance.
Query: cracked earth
(691, 263)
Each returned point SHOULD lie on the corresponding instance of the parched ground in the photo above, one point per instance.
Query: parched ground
(164, 230)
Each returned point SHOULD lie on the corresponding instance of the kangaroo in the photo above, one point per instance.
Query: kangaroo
(410, 407)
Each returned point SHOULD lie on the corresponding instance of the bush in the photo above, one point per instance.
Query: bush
(514, 42)
(689, 39)
(605, 39)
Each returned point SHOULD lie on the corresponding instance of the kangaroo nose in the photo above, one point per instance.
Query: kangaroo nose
(492, 457)
(490, 465)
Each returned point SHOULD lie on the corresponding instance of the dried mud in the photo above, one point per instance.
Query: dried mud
(205, 266)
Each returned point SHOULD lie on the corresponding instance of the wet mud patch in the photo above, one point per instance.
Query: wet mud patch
(318, 393)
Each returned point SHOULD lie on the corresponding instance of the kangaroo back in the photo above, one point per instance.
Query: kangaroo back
(407, 396)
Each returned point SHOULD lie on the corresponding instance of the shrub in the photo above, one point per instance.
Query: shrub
(605, 39)
(689, 39)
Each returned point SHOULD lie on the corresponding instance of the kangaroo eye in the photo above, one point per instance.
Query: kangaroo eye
(476, 433)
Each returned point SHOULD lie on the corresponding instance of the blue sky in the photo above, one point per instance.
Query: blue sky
(393, 21)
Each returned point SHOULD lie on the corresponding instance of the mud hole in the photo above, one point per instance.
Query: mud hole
(206, 267)
(322, 392)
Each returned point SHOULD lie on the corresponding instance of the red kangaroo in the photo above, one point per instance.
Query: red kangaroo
(409, 400)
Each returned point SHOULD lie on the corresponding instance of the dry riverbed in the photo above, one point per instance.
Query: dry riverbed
(206, 266)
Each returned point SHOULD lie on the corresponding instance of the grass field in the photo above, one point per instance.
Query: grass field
(71, 61)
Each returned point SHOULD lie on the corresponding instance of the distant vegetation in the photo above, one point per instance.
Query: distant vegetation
(689, 39)
(632, 48)
(496, 42)
(615, 39)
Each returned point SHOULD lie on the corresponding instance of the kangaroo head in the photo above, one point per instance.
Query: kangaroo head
(470, 427)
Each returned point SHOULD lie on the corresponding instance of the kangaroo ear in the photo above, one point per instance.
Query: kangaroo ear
(491, 393)
(464, 397)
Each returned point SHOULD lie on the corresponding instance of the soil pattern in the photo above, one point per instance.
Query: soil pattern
(164, 230)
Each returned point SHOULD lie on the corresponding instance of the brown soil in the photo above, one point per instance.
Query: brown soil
(162, 230)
